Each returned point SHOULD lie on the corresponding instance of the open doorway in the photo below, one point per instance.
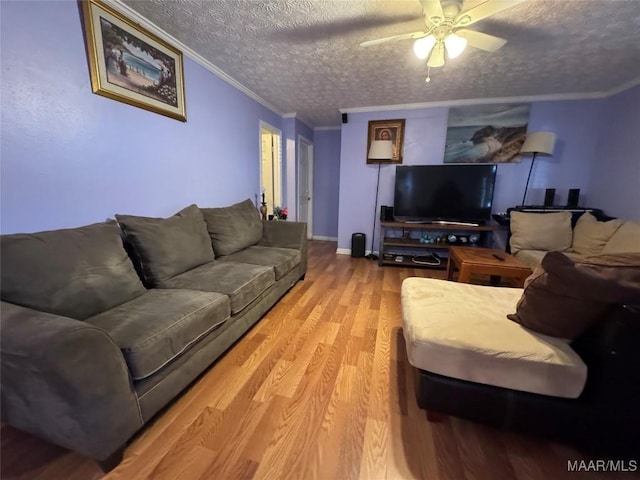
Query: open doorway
(271, 166)
(305, 183)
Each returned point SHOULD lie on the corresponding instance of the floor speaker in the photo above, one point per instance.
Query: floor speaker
(549, 197)
(357, 245)
(573, 198)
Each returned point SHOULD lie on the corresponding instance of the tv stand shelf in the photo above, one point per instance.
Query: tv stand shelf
(403, 239)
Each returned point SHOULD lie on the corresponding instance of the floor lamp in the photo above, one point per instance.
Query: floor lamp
(538, 143)
(381, 151)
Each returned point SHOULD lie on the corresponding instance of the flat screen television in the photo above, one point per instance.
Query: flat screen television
(447, 193)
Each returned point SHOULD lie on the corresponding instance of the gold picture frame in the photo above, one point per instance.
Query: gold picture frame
(132, 65)
(387, 130)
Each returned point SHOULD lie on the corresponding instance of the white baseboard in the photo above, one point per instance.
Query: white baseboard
(320, 237)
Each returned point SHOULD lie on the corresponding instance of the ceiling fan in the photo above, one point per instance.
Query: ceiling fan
(445, 21)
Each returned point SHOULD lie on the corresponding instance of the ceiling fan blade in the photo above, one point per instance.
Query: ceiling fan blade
(393, 38)
(433, 11)
(484, 10)
(482, 41)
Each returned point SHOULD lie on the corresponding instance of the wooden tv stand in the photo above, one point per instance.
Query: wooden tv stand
(403, 239)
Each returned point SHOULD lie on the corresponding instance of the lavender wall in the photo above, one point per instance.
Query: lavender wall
(70, 157)
(576, 124)
(326, 183)
(615, 179)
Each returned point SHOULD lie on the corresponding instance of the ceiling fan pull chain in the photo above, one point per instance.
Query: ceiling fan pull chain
(428, 79)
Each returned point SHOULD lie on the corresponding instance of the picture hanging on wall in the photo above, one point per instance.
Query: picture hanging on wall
(132, 65)
(486, 133)
(387, 130)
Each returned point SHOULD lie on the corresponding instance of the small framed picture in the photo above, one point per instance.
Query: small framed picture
(387, 130)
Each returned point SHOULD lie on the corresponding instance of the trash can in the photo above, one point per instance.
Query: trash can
(357, 245)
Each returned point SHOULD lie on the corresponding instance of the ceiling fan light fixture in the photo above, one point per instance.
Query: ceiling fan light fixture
(436, 59)
(455, 45)
(423, 46)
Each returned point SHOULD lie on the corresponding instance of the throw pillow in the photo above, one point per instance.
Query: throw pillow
(590, 236)
(233, 228)
(540, 231)
(166, 247)
(76, 272)
(625, 240)
(567, 294)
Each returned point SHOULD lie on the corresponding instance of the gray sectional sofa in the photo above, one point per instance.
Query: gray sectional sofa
(104, 324)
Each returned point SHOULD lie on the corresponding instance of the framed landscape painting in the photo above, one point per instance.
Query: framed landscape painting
(387, 130)
(486, 133)
(132, 65)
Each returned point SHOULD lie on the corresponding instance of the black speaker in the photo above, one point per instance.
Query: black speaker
(345, 118)
(386, 213)
(574, 196)
(357, 245)
(549, 197)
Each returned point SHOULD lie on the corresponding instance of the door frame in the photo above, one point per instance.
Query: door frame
(274, 131)
(304, 142)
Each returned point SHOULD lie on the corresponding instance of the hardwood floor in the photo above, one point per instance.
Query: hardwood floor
(319, 388)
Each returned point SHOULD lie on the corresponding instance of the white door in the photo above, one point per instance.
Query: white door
(305, 183)
(270, 166)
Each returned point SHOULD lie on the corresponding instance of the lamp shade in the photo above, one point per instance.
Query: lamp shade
(423, 46)
(455, 45)
(541, 143)
(381, 150)
(436, 59)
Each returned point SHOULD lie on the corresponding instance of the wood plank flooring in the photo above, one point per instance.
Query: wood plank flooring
(320, 388)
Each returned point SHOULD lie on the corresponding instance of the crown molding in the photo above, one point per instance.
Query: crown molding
(625, 86)
(481, 101)
(289, 115)
(320, 129)
(153, 28)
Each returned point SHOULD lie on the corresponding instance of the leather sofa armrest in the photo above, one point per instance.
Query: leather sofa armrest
(285, 234)
(65, 381)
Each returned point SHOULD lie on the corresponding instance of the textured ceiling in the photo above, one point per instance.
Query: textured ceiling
(303, 56)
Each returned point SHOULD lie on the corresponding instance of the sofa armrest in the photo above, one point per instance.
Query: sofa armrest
(65, 381)
(284, 234)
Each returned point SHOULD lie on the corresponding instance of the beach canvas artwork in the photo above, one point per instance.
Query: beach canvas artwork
(131, 64)
(137, 66)
(486, 133)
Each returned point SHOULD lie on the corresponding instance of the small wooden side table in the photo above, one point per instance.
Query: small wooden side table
(486, 261)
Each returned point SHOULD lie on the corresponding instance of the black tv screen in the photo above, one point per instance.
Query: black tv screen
(462, 193)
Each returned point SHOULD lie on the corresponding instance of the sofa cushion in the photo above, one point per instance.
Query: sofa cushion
(590, 236)
(625, 240)
(568, 293)
(283, 260)
(241, 282)
(165, 247)
(157, 327)
(532, 258)
(540, 231)
(233, 228)
(75, 273)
